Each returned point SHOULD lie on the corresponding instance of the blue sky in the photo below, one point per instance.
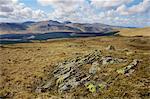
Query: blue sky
(113, 12)
(35, 5)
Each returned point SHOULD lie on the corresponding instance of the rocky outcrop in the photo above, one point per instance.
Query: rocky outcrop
(68, 75)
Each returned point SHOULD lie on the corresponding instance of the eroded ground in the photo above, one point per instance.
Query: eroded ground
(25, 66)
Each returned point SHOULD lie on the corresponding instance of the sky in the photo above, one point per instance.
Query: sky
(133, 13)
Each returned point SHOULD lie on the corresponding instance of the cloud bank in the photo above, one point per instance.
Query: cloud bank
(12, 9)
(114, 12)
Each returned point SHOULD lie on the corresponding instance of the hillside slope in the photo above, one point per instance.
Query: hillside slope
(53, 26)
(135, 31)
(24, 67)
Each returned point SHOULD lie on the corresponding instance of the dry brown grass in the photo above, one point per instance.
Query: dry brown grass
(24, 66)
(135, 32)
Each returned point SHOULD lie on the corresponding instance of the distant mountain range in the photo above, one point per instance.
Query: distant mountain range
(54, 26)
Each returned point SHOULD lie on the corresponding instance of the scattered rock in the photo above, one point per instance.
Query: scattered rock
(95, 86)
(94, 67)
(110, 48)
(91, 87)
(130, 72)
(127, 69)
(107, 60)
(102, 86)
(47, 85)
(126, 49)
(129, 53)
(110, 60)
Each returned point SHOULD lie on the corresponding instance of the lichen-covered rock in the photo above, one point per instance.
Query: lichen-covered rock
(122, 70)
(91, 87)
(106, 60)
(70, 76)
(102, 86)
(47, 85)
(63, 69)
(95, 86)
(127, 68)
(94, 67)
(72, 83)
(64, 87)
(120, 60)
(133, 64)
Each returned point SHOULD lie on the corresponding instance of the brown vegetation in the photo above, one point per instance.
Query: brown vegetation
(25, 66)
(135, 32)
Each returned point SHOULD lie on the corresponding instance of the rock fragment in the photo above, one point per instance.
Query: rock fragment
(94, 67)
(110, 48)
(47, 85)
(127, 68)
(110, 60)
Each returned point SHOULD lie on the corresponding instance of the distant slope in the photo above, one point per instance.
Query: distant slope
(10, 27)
(53, 26)
(135, 31)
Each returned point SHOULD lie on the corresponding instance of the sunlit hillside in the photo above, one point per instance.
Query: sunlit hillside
(135, 31)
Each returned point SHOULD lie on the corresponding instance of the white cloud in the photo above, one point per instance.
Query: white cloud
(12, 9)
(63, 6)
(73, 10)
(82, 11)
(109, 3)
(60, 2)
(100, 11)
(136, 9)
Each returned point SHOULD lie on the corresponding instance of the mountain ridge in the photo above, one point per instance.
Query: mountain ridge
(54, 26)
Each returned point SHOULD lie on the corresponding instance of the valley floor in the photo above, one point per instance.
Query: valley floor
(25, 66)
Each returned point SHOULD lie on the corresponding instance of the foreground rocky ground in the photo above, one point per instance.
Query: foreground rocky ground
(85, 68)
